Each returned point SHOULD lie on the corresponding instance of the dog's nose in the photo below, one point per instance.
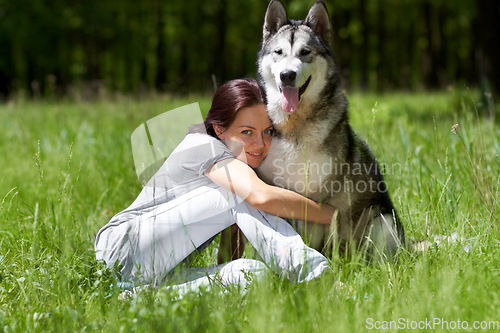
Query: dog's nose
(288, 78)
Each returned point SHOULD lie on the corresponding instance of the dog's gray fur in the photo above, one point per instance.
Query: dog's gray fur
(315, 151)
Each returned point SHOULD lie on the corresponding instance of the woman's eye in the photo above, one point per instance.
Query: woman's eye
(268, 131)
(246, 132)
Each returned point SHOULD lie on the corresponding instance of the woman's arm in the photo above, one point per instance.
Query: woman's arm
(240, 179)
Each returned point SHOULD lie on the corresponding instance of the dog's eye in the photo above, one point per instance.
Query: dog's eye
(278, 51)
(305, 52)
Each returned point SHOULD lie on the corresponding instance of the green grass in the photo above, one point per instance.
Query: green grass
(67, 167)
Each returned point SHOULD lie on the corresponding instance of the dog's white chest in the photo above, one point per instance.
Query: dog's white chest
(298, 168)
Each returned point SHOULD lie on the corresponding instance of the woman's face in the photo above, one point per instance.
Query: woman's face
(249, 136)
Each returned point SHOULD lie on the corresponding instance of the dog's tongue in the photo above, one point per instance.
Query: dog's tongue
(289, 99)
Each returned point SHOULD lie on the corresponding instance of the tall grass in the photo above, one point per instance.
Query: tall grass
(67, 168)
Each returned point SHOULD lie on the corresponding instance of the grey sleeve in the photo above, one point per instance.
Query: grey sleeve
(199, 152)
(219, 152)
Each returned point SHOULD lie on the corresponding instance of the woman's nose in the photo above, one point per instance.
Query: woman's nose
(259, 141)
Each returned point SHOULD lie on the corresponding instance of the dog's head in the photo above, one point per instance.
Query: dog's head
(295, 56)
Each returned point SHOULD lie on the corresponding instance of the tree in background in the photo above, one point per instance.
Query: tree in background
(96, 47)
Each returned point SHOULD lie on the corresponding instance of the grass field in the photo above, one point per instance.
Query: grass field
(67, 167)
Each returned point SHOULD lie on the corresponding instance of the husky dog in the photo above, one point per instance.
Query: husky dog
(315, 151)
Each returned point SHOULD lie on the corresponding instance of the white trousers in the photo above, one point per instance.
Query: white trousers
(152, 243)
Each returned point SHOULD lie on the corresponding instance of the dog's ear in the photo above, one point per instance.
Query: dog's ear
(276, 17)
(319, 21)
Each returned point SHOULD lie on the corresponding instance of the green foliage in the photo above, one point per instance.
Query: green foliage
(67, 168)
(99, 47)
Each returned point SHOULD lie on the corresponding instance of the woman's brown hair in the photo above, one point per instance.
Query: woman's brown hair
(231, 98)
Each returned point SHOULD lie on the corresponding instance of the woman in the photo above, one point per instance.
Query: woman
(206, 185)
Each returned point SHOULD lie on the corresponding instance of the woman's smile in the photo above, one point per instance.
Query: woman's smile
(251, 133)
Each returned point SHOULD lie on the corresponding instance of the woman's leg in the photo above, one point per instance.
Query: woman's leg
(160, 239)
(279, 245)
(240, 272)
(149, 244)
(167, 235)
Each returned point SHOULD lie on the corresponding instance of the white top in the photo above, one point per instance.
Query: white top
(182, 172)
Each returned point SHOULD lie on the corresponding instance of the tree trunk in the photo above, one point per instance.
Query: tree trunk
(364, 46)
(488, 52)
(380, 49)
(429, 58)
(161, 52)
(219, 65)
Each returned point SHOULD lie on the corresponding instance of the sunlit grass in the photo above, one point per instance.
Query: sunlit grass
(67, 168)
